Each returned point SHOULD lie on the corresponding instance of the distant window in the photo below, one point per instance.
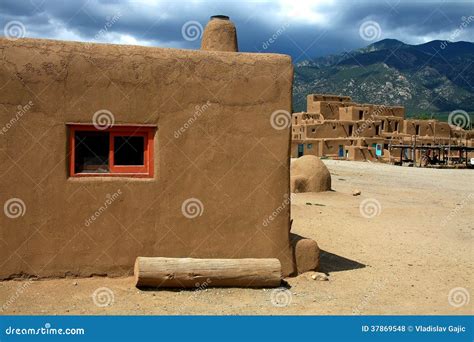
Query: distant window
(313, 130)
(350, 130)
(361, 114)
(417, 129)
(309, 146)
(116, 151)
(396, 126)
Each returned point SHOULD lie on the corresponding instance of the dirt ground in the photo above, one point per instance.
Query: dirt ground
(404, 246)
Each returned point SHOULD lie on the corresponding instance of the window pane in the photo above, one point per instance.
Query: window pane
(91, 152)
(129, 150)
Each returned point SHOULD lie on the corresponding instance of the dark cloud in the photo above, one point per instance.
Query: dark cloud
(302, 29)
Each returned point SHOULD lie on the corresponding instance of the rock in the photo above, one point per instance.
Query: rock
(320, 277)
(356, 192)
(74, 283)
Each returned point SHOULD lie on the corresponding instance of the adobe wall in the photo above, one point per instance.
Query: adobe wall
(331, 146)
(391, 124)
(309, 147)
(326, 129)
(329, 110)
(210, 160)
(368, 141)
(442, 129)
(367, 129)
(305, 118)
(355, 153)
(353, 113)
(425, 127)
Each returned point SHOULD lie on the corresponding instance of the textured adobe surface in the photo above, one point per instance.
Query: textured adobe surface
(221, 157)
(309, 174)
(306, 254)
(220, 35)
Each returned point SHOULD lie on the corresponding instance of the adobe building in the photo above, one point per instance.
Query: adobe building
(125, 151)
(336, 127)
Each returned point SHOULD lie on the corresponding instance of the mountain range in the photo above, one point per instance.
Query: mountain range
(429, 79)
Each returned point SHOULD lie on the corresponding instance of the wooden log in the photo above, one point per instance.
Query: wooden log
(190, 272)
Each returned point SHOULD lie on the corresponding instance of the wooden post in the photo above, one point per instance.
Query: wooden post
(413, 151)
(195, 273)
(449, 148)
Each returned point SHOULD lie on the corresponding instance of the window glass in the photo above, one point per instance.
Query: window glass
(129, 150)
(91, 152)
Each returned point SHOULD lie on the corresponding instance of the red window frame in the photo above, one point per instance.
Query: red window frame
(146, 170)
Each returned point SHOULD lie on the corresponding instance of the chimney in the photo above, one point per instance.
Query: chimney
(219, 35)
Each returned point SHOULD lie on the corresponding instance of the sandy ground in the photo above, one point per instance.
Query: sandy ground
(414, 256)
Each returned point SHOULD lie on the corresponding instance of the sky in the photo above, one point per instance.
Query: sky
(301, 28)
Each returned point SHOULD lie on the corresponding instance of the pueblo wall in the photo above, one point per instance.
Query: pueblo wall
(220, 158)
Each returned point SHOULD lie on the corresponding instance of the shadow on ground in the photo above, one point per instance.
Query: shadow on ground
(329, 262)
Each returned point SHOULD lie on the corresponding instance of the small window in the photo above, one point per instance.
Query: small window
(350, 130)
(313, 130)
(361, 114)
(309, 146)
(116, 151)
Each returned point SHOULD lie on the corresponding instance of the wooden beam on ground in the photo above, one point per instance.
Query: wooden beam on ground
(195, 273)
